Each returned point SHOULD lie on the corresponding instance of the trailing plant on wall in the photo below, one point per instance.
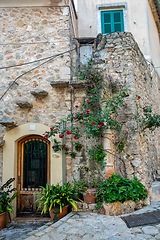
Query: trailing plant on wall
(147, 119)
(97, 113)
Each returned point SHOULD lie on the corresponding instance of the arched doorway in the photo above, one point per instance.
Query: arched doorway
(32, 172)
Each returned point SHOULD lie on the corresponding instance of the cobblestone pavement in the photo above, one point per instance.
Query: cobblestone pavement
(86, 226)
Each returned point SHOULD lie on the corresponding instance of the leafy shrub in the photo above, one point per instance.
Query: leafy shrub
(121, 189)
(56, 196)
(7, 195)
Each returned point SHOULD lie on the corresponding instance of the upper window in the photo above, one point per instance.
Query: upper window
(112, 21)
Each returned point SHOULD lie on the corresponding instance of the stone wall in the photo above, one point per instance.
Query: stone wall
(30, 34)
(122, 62)
(119, 57)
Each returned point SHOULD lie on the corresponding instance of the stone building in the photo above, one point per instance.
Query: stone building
(35, 96)
(141, 18)
(31, 31)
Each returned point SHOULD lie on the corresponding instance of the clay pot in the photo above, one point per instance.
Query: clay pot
(59, 215)
(2, 220)
(89, 196)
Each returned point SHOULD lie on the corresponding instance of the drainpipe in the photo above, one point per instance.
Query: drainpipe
(63, 160)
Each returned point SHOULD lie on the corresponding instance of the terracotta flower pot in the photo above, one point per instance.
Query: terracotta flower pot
(59, 215)
(89, 196)
(2, 220)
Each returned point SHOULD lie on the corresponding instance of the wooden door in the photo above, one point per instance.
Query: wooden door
(33, 172)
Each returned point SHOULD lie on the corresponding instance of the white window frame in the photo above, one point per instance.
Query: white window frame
(110, 7)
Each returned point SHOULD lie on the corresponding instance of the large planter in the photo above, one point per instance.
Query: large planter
(59, 215)
(89, 195)
(118, 208)
(2, 220)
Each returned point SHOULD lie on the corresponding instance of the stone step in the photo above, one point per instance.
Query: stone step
(155, 189)
(158, 171)
(157, 177)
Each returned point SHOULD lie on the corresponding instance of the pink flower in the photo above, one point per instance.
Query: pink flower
(93, 123)
(51, 129)
(55, 131)
(47, 132)
(156, 116)
(139, 97)
(98, 126)
(75, 117)
(102, 124)
(63, 145)
(77, 137)
(88, 102)
(46, 135)
(53, 147)
(74, 137)
(75, 113)
(81, 114)
(60, 136)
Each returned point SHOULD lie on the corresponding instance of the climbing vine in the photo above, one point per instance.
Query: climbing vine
(98, 112)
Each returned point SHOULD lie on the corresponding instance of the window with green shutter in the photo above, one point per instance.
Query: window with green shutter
(112, 21)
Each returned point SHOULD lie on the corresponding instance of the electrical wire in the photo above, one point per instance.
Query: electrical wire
(36, 61)
(51, 58)
(23, 43)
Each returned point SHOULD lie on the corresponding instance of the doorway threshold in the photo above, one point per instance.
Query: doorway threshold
(31, 219)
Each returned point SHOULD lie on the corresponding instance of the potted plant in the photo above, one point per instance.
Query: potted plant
(56, 199)
(6, 197)
(86, 188)
(79, 186)
(89, 193)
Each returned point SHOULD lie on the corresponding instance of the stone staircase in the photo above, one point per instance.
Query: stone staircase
(158, 175)
(155, 189)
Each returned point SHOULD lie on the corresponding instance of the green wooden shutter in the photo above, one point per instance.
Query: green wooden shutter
(112, 21)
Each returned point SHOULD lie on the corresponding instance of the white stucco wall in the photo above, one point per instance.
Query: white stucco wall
(154, 41)
(138, 16)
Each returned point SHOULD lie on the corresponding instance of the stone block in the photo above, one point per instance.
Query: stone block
(39, 93)
(24, 103)
(59, 84)
(10, 123)
(138, 205)
(2, 142)
(92, 206)
(118, 208)
(128, 206)
(113, 209)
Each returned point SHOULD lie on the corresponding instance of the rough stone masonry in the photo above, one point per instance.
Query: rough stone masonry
(120, 58)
